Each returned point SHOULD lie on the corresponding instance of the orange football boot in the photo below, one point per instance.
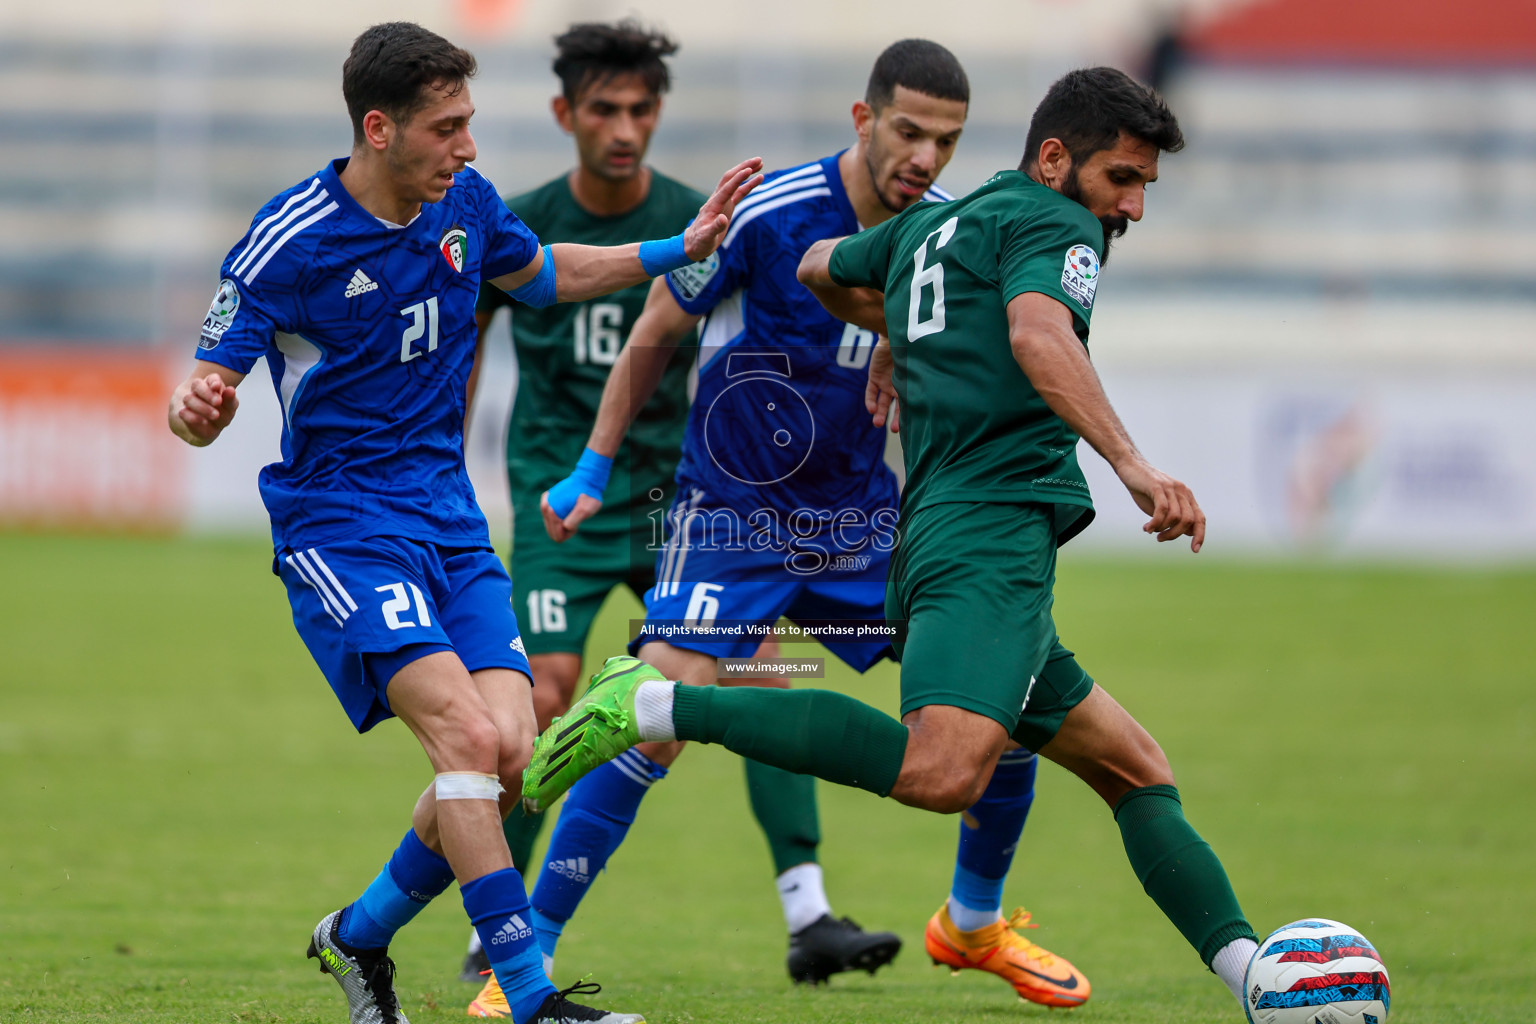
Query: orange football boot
(491, 1002)
(1035, 974)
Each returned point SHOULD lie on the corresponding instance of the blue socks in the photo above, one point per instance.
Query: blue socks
(547, 930)
(498, 906)
(989, 834)
(413, 876)
(594, 821)
(496, 903)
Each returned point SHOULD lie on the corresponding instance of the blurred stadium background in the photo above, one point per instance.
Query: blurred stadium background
(1325, 322)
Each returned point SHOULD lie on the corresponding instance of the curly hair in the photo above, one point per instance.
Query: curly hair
(589, 53)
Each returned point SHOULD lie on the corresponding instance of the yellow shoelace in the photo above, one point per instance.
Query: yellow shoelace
(1019, 919)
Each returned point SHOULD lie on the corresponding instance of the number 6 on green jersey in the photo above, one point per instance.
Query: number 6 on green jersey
(933, 274)
(973, 427)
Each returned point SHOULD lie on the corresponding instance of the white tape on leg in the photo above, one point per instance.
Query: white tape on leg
(467, 786)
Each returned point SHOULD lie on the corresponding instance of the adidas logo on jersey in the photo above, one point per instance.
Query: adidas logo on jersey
(360, 283)
(513, 930)
(574, 868)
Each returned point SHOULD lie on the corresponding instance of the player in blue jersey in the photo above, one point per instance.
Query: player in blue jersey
(358, 285)
(785, 507)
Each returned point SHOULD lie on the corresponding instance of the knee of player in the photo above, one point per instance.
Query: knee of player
(953, 789)
(473, 744)
(941, 771)
(514, 757)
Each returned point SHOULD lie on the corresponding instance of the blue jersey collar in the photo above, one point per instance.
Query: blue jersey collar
(330, 180)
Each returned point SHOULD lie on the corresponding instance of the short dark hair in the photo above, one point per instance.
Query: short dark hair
(390, 67)
(591, 52)
(1087, 109)
(920, 65)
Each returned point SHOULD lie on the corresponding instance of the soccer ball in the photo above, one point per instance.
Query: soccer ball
(1316, 972)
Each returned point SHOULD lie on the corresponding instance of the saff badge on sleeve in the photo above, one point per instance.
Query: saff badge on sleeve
(1080, 275)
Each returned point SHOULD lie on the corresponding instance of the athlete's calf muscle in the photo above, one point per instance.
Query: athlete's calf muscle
(1103, 745)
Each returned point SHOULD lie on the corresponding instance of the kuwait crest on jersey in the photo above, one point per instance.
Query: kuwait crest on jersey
(454, 246)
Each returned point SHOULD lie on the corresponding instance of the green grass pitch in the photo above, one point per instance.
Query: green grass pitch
(182, 799)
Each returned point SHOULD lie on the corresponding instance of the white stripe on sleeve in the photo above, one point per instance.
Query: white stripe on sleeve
(790, 182)
(240, 265)
(267, 225)
(742, 220)
(326, 211)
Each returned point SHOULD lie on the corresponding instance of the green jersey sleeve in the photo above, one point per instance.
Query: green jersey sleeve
(1052, 252)
(863, 260)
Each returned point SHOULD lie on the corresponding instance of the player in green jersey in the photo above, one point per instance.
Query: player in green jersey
(612, 79)
(986, 302)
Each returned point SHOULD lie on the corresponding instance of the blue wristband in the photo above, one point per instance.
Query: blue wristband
(664, 256)
(590, 477)
(539, 291)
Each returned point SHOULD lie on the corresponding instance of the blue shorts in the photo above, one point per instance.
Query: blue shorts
(705, 575)
(355, 601)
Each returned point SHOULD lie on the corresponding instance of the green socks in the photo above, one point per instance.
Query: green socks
(1179, 870)
(806, 732)
(521, 829)
(785, 806)
(834, 737)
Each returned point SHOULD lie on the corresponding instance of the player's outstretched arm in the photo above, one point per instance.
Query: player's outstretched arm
(1040, 330)
(204, 404)
(631, 383)
(862, 306)
(579, 272)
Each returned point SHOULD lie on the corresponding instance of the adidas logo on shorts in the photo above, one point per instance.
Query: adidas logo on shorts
(360, 283)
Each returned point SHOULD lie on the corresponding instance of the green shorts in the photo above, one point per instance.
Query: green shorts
(557, 589)
(973, 582)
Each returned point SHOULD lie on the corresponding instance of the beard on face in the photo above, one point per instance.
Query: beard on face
(1113, 226)
(403, 164)
(396, 158)
(602, 168)
(874, 156)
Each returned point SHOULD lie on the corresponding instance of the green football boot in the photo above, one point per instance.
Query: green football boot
(599, 727)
